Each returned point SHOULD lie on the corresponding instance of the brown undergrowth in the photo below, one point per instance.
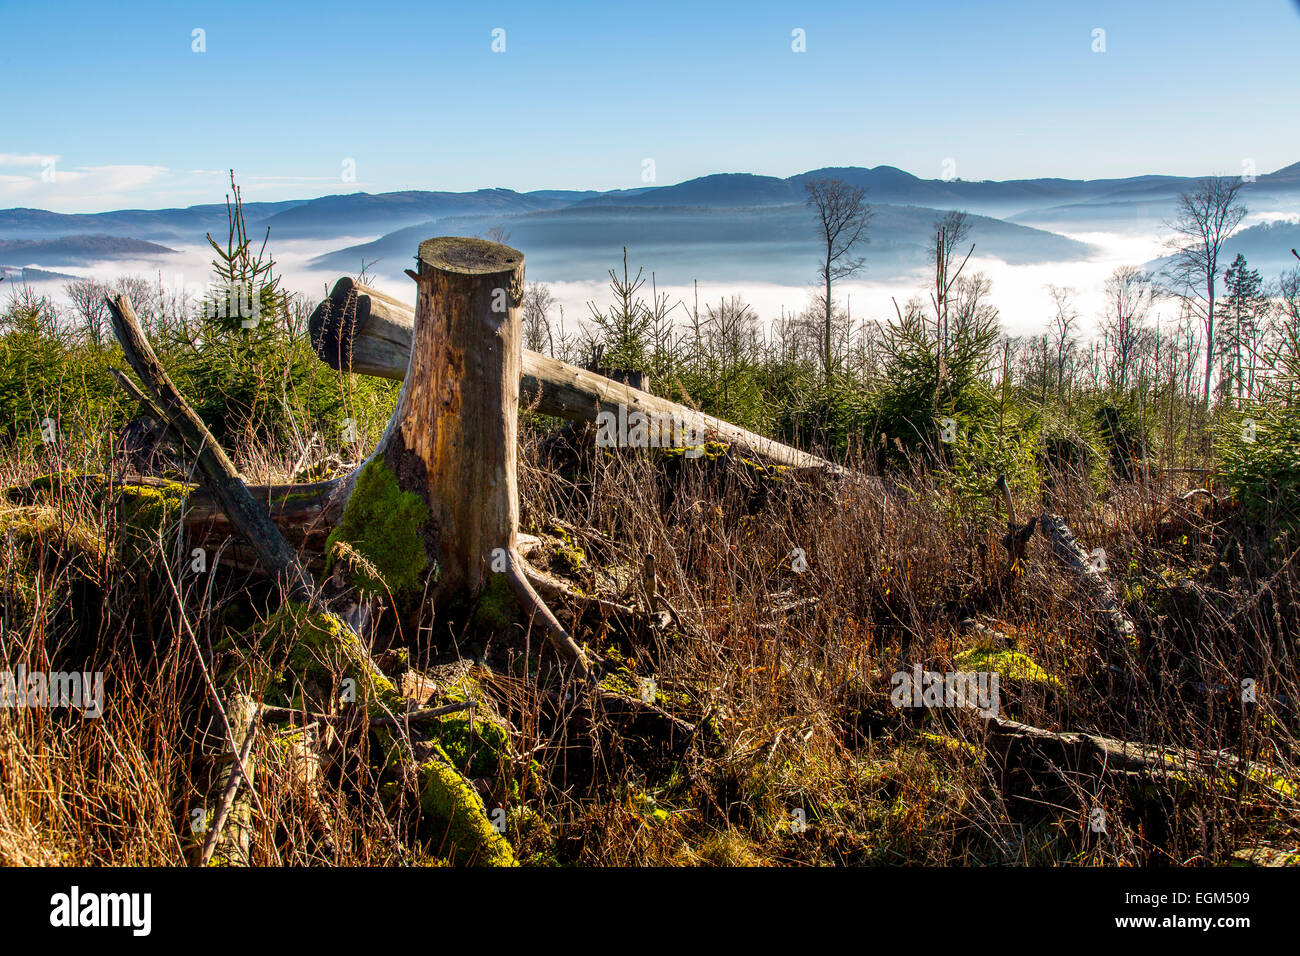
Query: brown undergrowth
(783, 607)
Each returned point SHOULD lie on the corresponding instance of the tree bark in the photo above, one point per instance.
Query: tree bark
(453, 435)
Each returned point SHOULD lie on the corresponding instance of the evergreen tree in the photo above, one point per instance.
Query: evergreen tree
(1243, 310)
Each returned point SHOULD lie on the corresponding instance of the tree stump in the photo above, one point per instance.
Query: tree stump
(451, 444)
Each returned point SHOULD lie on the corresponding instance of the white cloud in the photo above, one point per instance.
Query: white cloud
(1258, 218)
(77, 188)
(26, 159)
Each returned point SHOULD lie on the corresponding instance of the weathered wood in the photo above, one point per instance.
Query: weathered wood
(361, 330)
(305, 514)
(1092, 581)
(219, 473)
(381, 323)
(1070, 752)
(452, 439)
(230, 834)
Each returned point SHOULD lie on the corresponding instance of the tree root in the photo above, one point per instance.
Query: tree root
(534, 607)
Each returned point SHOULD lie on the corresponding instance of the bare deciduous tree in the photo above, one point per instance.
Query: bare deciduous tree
(538, 302)
(88, 298)
(1287, 296)
(1061, 339)
(143, 296)
(1207, 214)
(1130, 294)
(842, 219)
(972, 311)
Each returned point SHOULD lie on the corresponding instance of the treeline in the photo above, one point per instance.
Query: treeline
(240, 353)
(1191, 368)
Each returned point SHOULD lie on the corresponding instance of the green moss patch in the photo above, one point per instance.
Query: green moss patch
(1010, 665)
(383, 525)
(150, 507)
(309, 658)
(36, 537)
(455, 819)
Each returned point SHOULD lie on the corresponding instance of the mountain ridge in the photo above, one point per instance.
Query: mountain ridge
(338, 213)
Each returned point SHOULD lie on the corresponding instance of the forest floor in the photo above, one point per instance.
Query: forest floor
(772, 652)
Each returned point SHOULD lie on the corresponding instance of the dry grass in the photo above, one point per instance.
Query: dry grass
(799, 758)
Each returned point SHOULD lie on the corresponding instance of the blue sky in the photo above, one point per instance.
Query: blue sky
(584, 93)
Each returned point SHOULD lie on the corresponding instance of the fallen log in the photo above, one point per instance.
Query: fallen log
(305, 514)
(1094, 755)
(1091, 579)
(359, 329)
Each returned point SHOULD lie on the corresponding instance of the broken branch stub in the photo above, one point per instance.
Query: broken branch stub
(452, 438)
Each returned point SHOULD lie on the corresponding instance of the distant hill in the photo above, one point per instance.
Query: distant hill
(726, 225)
(1018, 198)
(77, 250)
(19, 274)
(1047, 200)
(718, 190)
(680, 243)
(362, 212)
(187, 225)
(1267, 248)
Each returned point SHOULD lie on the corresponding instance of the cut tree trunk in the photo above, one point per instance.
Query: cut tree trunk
(358, 329)
(453, 435)
(450, 415)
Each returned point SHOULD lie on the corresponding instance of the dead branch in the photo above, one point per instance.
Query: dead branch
(1091, 580)
(220, 475)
